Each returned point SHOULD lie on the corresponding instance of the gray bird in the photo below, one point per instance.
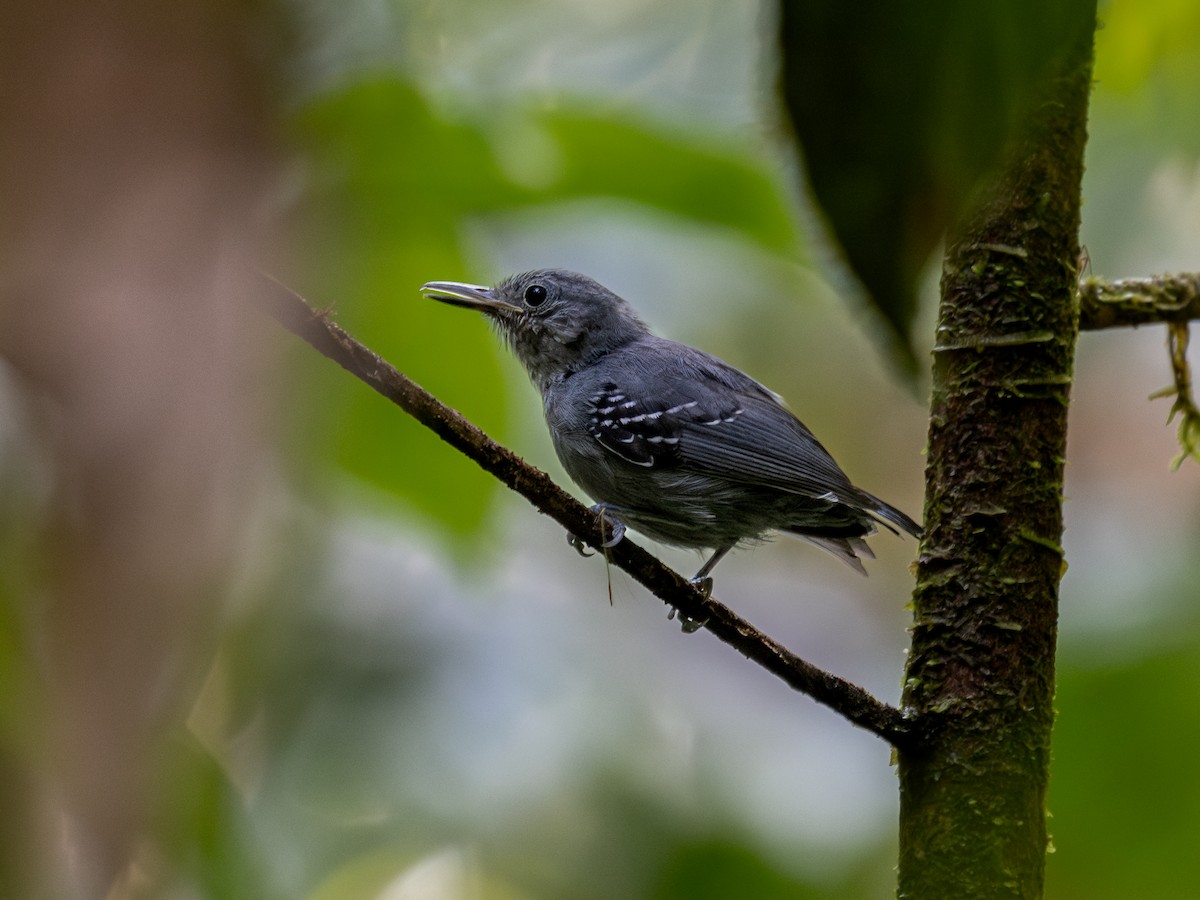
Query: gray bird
(666, 438)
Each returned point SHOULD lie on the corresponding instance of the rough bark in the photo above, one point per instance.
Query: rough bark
(980, 679)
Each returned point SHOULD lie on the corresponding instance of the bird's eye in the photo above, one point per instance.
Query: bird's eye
(535, 295)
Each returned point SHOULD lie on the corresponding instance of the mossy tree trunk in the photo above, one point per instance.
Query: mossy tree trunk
(980, 679)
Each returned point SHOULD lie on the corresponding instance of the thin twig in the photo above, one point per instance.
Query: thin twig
(848, 699)
(1185, 402)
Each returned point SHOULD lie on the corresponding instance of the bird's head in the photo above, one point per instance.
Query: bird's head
(555, 321)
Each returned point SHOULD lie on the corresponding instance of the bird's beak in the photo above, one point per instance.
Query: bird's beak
(471, 296)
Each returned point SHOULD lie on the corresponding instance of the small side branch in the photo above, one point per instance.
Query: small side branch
(1138, 301)
(1170, 299)
(845, 698)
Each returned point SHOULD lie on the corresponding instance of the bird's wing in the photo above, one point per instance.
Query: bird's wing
(641, 427)
(668, 405)
(765, 445)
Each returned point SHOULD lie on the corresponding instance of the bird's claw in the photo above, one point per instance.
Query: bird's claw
(579, 544)
(615, 531)
(618, 532)
(603, 512)
(686, 623)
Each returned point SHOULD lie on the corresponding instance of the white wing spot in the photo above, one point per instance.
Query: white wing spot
(616, 398)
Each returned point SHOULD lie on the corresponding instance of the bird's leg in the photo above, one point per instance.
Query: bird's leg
(704, 582)
(701, 579)
(605, 512)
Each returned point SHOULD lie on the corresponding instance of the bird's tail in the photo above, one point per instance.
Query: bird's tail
(888, 515)
(850, 550)
(847, 541)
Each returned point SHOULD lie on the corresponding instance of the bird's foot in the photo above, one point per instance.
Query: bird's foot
(579, 544)
(686, 623)
(612, 527)
(616, 528)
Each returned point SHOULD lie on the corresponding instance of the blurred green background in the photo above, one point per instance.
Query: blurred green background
(404, 684)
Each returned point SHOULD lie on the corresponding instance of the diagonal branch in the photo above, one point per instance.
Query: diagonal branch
(1138, 301)
(848, 699)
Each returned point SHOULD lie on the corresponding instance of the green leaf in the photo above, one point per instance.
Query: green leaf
(694, 180)
(902, 111)
(391, 185)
